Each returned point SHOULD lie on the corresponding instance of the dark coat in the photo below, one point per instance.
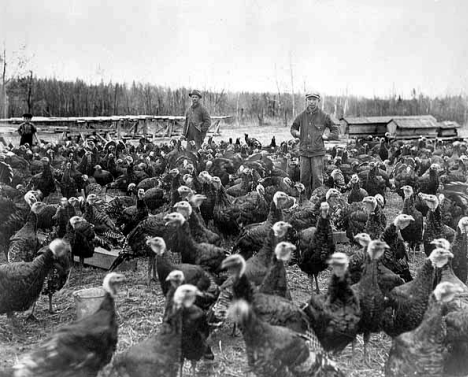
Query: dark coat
(198, 118)
(309, 127)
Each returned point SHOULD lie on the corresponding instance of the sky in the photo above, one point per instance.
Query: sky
(356, 47)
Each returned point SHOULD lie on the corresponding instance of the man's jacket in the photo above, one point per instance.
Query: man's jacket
(197, 117)
(309, 128)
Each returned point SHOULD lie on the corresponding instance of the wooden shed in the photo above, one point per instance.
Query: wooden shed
(448, 129)
(365, 126)
(413, 127)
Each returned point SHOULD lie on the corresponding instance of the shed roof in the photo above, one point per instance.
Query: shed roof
(423, 121)
(449, 124)
(410, 121)
(367, 120)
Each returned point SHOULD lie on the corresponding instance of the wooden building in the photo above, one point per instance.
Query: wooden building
(449, 130)
(399, 127)
(364, 126)
(413, 127)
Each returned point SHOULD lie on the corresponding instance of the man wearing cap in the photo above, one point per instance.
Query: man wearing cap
(197, 120)
(27, 130)
(309, 127)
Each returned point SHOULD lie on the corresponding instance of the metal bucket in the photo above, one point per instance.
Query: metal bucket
(87, 301)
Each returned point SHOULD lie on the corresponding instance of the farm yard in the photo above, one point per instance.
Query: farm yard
(140, 307)
(140, 311)
(162, 207)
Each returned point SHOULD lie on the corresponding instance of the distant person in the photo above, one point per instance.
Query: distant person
(197, 120)
(309, 127)
(27, 130)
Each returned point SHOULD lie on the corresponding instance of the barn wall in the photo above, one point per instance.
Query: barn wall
(367, 129)
(416, 132)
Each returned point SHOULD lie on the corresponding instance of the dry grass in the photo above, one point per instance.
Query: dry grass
(140, 311)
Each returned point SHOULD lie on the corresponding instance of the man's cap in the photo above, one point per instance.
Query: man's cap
(27, 116)
(195, 93)
(313, 95)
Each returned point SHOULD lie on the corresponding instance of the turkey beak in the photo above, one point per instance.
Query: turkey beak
(167, 220)
(449, 254)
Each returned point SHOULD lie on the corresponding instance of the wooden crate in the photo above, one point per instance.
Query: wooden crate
(340, 237)
(101, 258)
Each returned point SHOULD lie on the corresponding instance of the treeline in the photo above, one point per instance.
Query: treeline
(52, 97)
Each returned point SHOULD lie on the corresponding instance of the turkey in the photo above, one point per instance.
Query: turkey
(57, 277)
(198, 229)
(371, 297)
(202, 254)
(435, 228)
(269, 308)
(195, 328)
(21, 282)
(357, 193)
(24, 244)
(193, 274)
(78, 349)
(160, 354)
(133, 215)
(251, 238)
(104, 227)
(413, 233)
(335, 316)
(68, 185)
(429, 182)
(460, 250)
(256, 268)
(421, 352)
(395, 257)
(102, 177)
(358, 259)
(275, 351)
(276, 280)
(408, 302)
(314, 256)
(375, 224)
(44, 181)
(65, 211)
(80, 235)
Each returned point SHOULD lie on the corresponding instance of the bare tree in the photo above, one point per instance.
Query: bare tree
(292, 86)
(280, 104)
(4, 102)
(18, 62)
(237, 108)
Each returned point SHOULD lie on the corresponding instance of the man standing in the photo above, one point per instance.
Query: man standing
(309, 128)
(197, 120)
(27, 130)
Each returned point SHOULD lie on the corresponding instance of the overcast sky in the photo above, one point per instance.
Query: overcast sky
(367, 47)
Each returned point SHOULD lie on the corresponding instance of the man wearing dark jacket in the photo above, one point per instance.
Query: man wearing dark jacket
(309, 127)
(197, 120)
(27, 130)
